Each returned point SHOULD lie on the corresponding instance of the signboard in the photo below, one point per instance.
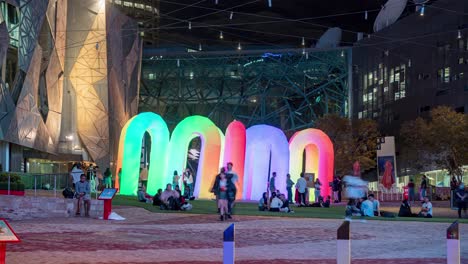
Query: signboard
(7, 235)
(107, 194)
(310, 178)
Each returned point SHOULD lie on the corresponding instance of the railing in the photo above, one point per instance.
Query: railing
(34, 183)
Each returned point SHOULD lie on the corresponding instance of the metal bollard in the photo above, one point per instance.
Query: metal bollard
(35, 183)
(343, 244)
(9, 184)
(453, 244)
(228, 245)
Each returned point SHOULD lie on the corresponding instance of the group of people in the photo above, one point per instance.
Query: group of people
(426, 209)
(225, 190)
(366, 206)
(276, 203)
(412, 189)
(186, 180)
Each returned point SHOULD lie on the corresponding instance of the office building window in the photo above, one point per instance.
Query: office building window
(461, 60)
(127, 4)
(447, 74)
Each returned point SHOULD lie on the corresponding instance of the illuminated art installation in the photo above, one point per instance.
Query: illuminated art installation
(130, 149)
(210, 159)
(255, 152)
(319, 156)
(261, 141)
(234, 151)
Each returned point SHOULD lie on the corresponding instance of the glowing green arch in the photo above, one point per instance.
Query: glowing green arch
(130, 150)
(210, 155)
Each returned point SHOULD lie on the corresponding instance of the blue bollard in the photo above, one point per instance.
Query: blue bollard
(228, 245)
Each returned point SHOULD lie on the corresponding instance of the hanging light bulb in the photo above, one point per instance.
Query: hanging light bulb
(239, 47)
(199, 47)
(365, 15)
(221, 35)
(459, 36)
(421, 11)
(269, 3)
(303, 42)
(231, 15)
(190, 25)
(342, 53)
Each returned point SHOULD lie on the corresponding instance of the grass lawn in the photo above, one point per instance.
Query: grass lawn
(244, 208)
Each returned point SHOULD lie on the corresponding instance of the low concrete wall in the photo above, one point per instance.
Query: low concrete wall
(27, 207)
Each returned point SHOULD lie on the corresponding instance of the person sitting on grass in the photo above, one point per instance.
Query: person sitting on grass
(285, 207)
(275, 203)
(367, 207)
(426, 209)
(157, 198)
(83, 193)
(327, 202)
(405, 209)
(143, 196)
(170, 199)
(263, 203)
(351, 209)
(375, 204)
(319, 202)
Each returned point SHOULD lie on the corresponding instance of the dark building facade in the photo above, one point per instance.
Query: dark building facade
(412, 66)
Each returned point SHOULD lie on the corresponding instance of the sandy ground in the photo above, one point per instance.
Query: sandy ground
(177, 238)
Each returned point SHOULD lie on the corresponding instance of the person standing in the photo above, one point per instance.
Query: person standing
(75, 174)
(301, 186)
(175, 179)
(318, 186)
(232, 176)
(411, 191)
(340, 189)
(188, 180)
(335, 189)
(461, 198)
(107, 178)
(272, 182)
(289, 185)
(423, 187)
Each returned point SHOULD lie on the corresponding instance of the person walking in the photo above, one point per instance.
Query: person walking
(232, 176)
(301, 186)
(318, 186)
(411, 194)
(461, 197)
(423, 187)
(289, 185)
(223, 188)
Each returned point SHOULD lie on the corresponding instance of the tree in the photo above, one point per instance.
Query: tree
(441, 141)
(352, 140)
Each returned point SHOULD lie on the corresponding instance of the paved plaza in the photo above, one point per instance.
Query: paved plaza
(178, 238)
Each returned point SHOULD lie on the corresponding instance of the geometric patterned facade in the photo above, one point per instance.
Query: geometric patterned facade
(62, 87)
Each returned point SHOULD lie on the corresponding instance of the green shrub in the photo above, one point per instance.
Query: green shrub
(13, 177)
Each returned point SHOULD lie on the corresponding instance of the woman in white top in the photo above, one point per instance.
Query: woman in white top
(318, 186)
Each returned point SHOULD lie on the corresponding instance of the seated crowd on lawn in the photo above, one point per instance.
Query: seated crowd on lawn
(365, 206)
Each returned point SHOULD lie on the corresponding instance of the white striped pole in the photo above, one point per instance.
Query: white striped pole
(453, 244)
(228, 245)
(343, 244)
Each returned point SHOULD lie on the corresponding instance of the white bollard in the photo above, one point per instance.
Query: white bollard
(228, 245)
(343, 244)
(453, 244)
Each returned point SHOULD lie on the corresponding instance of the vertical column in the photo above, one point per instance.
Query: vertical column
(343, 244)
(453, 244)
(2, 253)
(228, 245)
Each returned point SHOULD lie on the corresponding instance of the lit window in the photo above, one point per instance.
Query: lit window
(118, 2)
(149, 8)
(447, 74)
(139, 6)
(151, 76)
(127, 4)
(360, 115)
(385, 89)
(461, 60)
